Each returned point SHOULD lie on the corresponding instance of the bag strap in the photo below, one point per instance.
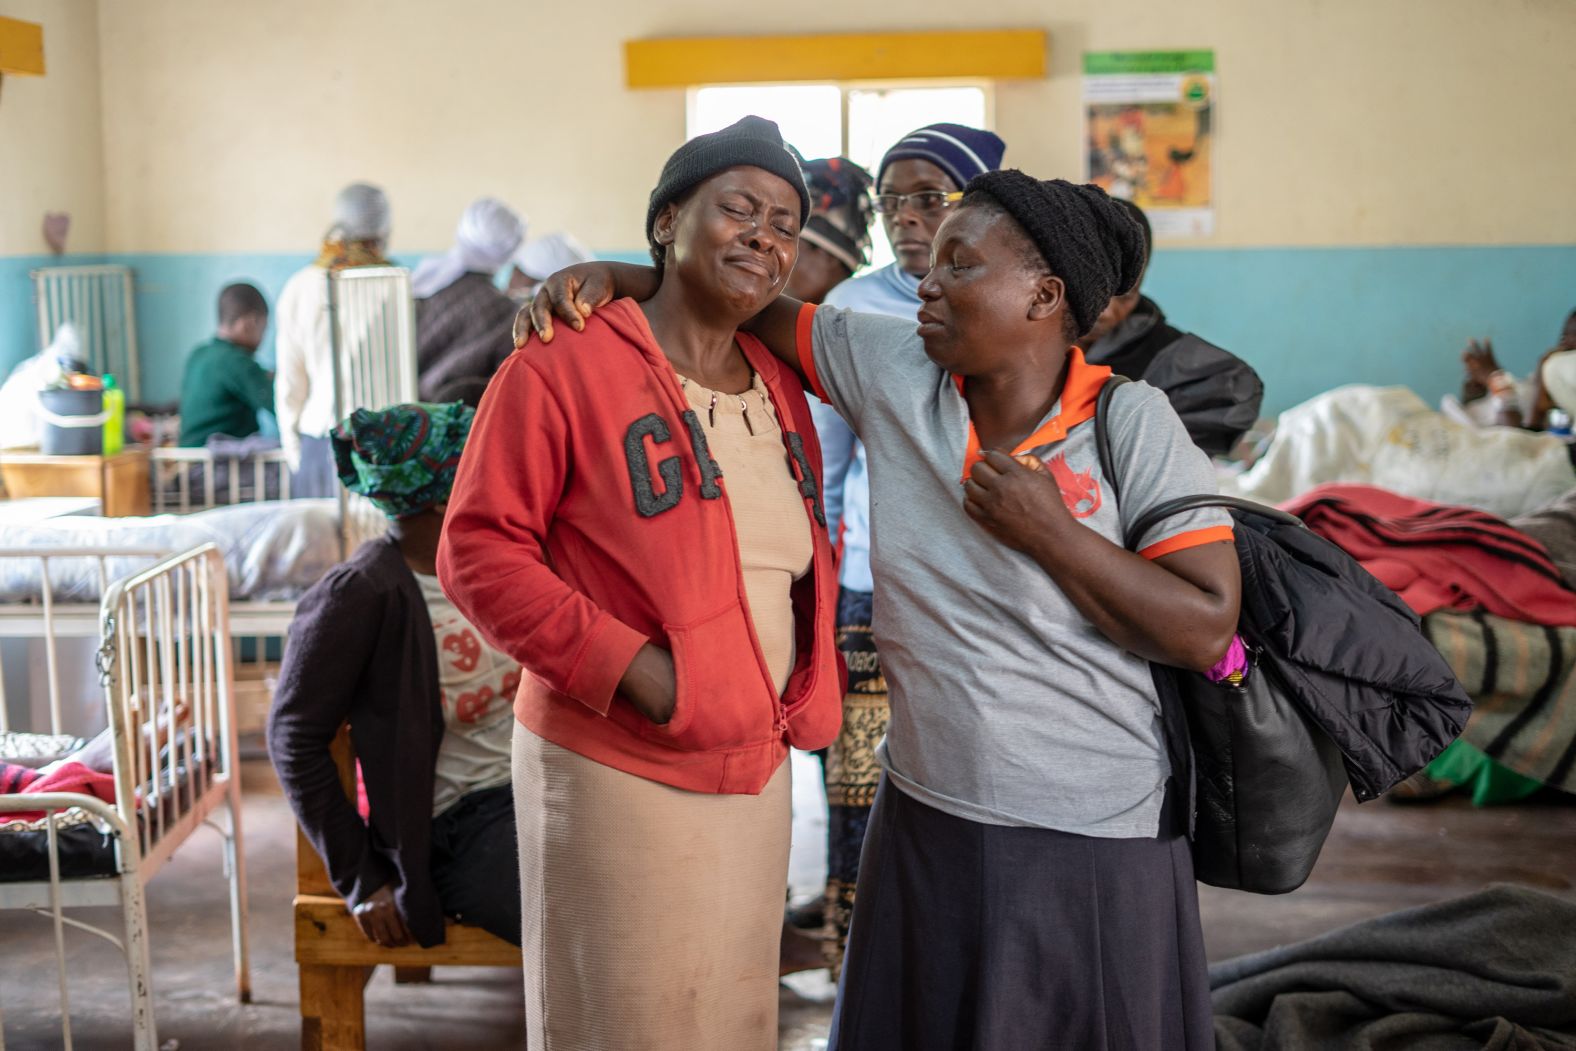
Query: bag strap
(1102, 435)
(1181, 504)
(1159, 513)
(1173, 718)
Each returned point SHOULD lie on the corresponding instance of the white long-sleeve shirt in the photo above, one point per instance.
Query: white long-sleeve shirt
(304, 361)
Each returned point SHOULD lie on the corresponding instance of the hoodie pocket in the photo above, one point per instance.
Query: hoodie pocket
(722, 700)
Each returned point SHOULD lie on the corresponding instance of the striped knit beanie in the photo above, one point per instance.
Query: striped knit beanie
(840, 210)
(1085, 237)
(960, 151)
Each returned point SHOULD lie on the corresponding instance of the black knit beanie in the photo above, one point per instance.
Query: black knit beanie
(753, 141)
(1085, 237)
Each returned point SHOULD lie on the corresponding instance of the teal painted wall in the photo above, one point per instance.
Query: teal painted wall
(1307, 318)
(18, 326)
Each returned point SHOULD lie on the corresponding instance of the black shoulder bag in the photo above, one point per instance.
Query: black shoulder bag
(1263, 782)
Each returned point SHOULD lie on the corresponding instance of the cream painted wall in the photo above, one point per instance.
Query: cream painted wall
(51, 144)
(229, 125)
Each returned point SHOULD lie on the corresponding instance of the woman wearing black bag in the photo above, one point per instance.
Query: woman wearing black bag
(1025, 882)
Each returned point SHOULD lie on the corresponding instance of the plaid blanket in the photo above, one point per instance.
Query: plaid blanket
(1522, 679)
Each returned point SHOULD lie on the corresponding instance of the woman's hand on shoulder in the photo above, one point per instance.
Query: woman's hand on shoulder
(1014, 500)
(650, 684)
(575, 293)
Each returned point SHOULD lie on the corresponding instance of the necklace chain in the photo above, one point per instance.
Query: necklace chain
(711, 410)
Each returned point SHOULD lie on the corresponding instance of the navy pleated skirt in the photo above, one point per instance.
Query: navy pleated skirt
(974, 936)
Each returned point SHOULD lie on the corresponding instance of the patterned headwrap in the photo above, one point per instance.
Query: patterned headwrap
(840, 209)
(402, 458)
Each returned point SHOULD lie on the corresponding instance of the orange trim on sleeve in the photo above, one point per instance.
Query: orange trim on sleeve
(804, 340)
(1192, 538)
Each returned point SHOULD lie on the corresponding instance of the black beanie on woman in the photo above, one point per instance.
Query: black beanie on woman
(753, 141)
(1085, 237)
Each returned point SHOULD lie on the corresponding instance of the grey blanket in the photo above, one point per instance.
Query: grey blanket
(1555, 526)
(1495, 970)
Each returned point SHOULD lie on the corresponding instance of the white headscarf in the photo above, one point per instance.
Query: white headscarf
(544, 257)
(486, 239)
(361, 213)
(1559, 379)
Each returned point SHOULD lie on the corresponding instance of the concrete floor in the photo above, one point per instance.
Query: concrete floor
(1380, 857)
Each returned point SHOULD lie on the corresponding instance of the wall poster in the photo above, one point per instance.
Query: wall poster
(1148, 117)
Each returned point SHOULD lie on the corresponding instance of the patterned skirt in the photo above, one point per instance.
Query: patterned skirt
(852, 773)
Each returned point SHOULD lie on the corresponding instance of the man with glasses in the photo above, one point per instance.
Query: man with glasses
(917, 183)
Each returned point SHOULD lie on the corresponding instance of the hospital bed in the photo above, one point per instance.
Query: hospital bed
(164, 662)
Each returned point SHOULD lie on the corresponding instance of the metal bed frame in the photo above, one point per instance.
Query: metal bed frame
(164, 663)
(186, 480)
(98, 300)
(51, 621)
(166, 632)
(372, 327)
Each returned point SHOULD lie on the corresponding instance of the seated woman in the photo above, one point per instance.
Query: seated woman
(1026, 880)
(377, 644)
(638, 521)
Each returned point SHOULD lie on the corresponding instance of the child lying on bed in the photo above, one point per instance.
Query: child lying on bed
(377, 644)
(35, 763)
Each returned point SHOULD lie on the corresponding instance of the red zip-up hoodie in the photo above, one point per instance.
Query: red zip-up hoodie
(588, 518)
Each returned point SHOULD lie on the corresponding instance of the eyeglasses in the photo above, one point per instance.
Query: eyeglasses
(925, 202)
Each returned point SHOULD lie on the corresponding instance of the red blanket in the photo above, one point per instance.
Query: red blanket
(68, 776)
(1439, 557)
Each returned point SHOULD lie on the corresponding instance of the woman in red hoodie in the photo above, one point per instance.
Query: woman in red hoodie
(637, 520)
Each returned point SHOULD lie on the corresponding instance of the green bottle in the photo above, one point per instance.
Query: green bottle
(115, 426)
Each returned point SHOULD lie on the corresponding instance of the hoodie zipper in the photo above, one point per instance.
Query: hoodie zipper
(676, 393)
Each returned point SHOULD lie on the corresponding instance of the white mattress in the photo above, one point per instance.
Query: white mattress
(274, 551)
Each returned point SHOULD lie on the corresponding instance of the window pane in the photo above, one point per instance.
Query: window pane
(810, 115)
(877, 119)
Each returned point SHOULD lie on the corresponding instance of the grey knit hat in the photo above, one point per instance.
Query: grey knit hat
(753, 142)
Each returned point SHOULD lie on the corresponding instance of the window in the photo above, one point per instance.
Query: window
(828, 120)
(810, 115)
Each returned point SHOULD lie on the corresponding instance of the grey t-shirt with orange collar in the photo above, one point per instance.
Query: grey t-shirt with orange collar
(1008, 706)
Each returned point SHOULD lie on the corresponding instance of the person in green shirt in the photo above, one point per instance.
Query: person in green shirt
(224, 387)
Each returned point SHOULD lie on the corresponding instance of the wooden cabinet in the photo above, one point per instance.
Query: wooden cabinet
(120, 483)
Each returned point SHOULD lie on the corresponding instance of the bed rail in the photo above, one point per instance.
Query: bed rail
(53, 620)
(164, 661)
(98, 301)
(372, 324)
(186, 480)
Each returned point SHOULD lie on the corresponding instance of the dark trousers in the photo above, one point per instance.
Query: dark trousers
(476, 862)
(973, 937)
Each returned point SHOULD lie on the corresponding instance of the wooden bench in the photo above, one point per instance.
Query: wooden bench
(336, 960)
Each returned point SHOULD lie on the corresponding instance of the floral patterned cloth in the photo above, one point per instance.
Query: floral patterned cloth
(402, 458)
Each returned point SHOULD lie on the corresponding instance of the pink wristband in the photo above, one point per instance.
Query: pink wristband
(1233, 665)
